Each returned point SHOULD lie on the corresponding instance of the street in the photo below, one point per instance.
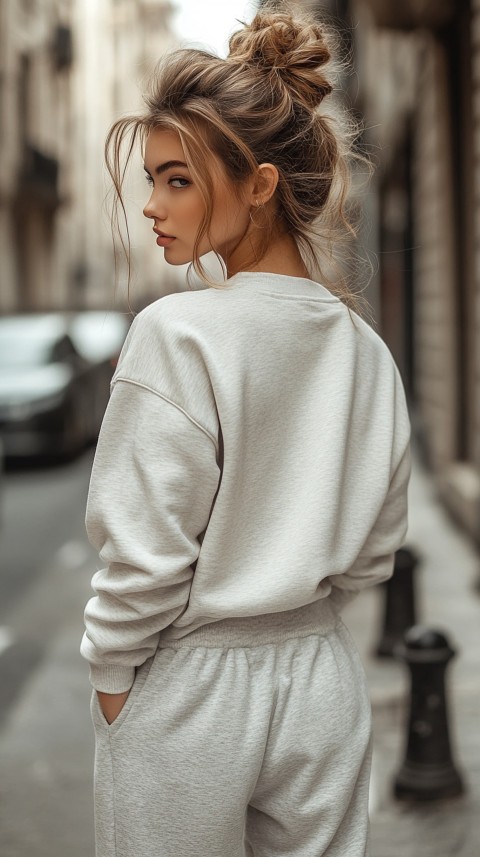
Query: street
(46, 739)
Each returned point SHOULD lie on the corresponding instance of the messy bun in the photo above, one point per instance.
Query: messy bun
(264, 103)
(281, 47)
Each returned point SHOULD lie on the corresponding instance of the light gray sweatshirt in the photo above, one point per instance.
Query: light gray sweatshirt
(254, 457)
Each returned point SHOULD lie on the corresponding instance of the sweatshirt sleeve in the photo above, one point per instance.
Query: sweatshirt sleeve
(153, 484)
(374, 564)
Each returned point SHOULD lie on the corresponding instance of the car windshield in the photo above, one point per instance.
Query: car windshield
(21, 350)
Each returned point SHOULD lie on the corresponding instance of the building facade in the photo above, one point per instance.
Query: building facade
(416, 83)
(68, 68)
(418, 68)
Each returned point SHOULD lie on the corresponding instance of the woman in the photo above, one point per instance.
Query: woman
(250, 478)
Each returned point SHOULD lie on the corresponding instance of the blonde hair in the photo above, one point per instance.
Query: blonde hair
(260, 104)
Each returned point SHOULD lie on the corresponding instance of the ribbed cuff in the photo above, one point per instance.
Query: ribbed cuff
(111, 679)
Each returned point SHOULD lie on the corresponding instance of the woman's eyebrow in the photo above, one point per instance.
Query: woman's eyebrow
(166, 166)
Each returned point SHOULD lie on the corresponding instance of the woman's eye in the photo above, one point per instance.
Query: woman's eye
(179, 179)
(149, 179)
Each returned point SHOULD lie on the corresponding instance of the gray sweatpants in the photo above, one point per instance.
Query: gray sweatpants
(249, 736)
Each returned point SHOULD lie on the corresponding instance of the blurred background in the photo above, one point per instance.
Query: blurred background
(68, 69)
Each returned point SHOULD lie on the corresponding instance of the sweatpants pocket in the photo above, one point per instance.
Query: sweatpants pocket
(139, 683)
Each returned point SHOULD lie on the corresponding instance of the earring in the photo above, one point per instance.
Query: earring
(256, 203)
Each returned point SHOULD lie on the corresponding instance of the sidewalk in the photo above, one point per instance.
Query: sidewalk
(447, 601)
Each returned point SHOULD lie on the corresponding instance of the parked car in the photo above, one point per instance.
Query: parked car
(55, 372)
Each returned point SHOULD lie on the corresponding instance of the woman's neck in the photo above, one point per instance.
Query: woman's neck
(282, 257)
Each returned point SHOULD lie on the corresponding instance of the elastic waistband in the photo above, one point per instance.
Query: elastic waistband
(317, 618)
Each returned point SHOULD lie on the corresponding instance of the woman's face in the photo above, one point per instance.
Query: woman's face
(176, 206)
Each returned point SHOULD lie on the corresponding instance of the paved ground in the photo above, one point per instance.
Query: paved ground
(448, 600)
(46, 740)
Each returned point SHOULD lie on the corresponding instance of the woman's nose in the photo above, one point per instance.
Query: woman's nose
(148, 210)
(153, 209)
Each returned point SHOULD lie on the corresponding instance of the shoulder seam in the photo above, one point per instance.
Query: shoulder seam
(171, 402)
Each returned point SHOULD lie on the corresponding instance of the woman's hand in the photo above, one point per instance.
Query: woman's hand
(112, 704)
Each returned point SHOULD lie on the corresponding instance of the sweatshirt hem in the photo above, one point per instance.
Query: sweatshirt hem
(319, 617)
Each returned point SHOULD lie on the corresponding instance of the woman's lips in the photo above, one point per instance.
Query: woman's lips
(164, 240)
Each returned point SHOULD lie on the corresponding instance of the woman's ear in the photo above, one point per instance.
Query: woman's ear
(264, 185)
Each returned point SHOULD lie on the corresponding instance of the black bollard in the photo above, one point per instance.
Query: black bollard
(428, 771)
(399, 612)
